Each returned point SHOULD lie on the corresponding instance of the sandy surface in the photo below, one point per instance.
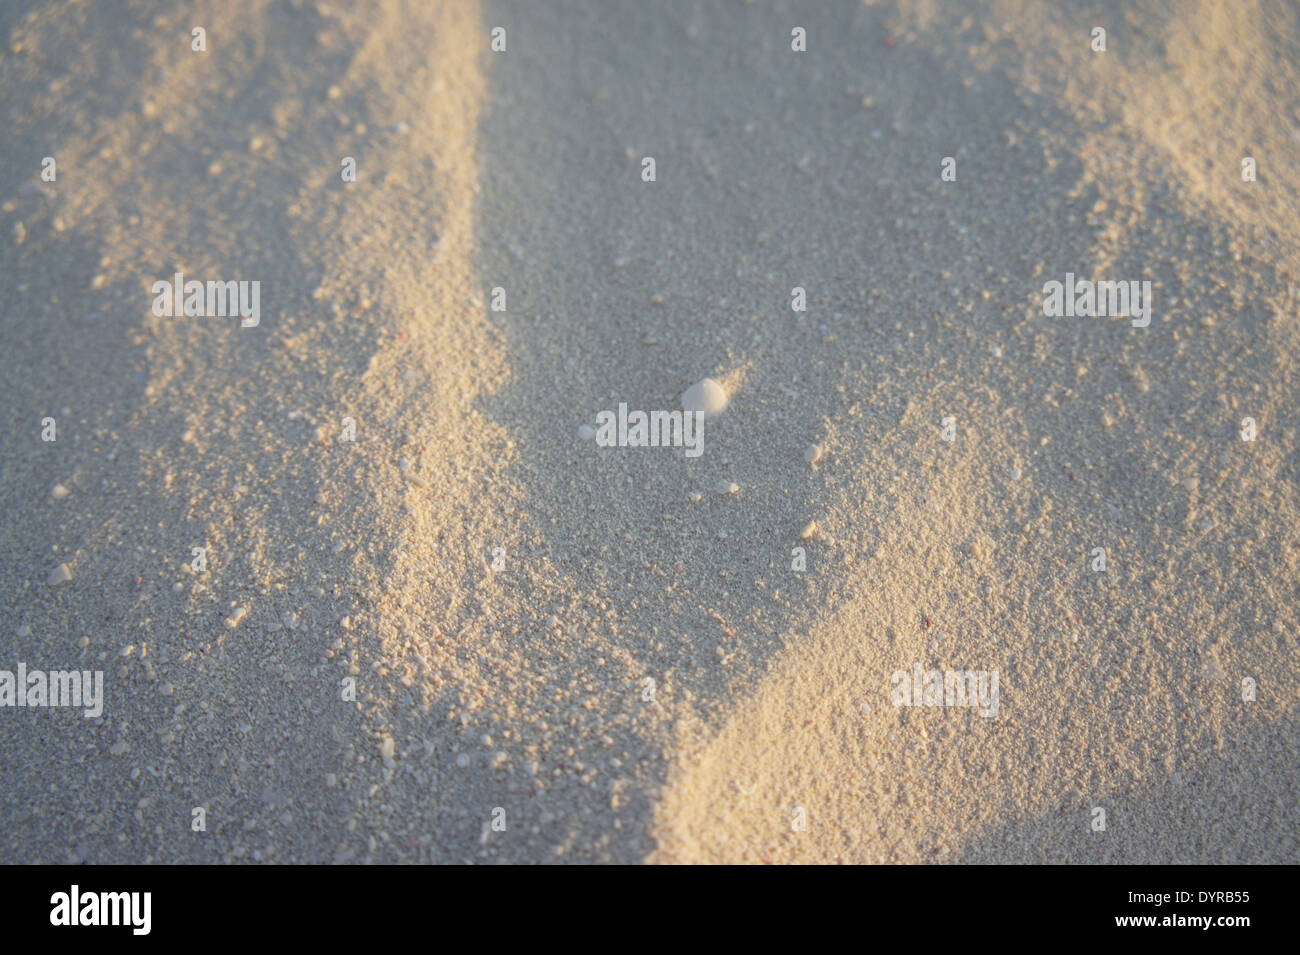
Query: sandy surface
(520, 693)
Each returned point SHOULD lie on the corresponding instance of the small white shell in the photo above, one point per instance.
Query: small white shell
(706, 396)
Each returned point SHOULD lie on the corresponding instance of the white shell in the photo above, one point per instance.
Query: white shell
(706, 396)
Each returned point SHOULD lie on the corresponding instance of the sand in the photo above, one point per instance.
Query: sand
(472, 634)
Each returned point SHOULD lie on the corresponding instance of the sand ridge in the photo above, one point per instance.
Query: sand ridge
(595, 646)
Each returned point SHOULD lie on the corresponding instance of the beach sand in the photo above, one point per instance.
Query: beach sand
(563, 652)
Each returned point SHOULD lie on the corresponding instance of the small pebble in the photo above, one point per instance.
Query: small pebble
(586, 432)
(59, 492)
(59, 575)
(808, 531)
(813, 453)
(726, 487)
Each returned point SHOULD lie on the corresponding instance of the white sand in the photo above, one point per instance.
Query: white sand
(589, 643)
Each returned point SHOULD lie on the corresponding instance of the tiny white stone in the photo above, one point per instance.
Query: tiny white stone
(706, 396)
(808, 531)
(726, 487)
(1015, 474)
(236, 617)
(462, 760)
(813, 453)
(586, 432)
(59, 575)
(59, 492)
